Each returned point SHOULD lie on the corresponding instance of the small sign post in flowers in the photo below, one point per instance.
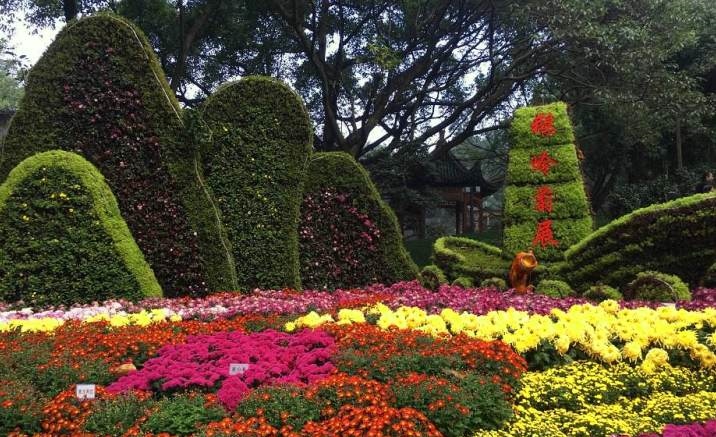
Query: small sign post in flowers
(546, 206)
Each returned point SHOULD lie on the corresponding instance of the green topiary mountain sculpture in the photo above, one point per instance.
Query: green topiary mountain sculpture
(546, 207)
(99, 91)
(62, 238)
(348, 236)
(262, 138)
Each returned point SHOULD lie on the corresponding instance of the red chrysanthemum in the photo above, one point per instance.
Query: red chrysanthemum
(544, 235)
(543, 125)
(543, 162)
(543, 199)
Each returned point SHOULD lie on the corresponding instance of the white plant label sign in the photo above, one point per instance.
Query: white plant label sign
(237, 368)
(85, 391)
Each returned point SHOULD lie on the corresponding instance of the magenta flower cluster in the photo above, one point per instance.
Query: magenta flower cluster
(707, 429)
(204, 362)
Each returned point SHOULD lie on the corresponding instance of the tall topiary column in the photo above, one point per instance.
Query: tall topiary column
(262, 139)
(99, 91)
(546, 208)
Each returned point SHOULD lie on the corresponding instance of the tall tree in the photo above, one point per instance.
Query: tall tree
(406, 73)
(11, 72)
(650, 108)
(410, 74)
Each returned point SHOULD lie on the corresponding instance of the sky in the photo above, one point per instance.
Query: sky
(31, 45)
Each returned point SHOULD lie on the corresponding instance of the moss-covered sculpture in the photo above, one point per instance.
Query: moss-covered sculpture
(62, 238)
(676, 237)
(255, 168)
(99, 91)
(546, 207)
(458, 256)
(348, 236)
(544, 184)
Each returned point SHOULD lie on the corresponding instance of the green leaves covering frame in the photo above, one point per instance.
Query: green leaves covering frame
(104, 204)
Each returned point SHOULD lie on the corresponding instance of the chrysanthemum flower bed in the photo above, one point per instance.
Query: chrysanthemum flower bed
(398, 360)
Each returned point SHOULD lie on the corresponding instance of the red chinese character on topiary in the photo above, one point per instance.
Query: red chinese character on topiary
(543, 125)
(544, 236)
(543, 199)
(542, 162)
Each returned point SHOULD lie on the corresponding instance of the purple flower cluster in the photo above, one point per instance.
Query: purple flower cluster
(204, 362)
(707, 429)
(474, 300)
(287, 302)
(218, 306)
(484, 300)
(700, 298)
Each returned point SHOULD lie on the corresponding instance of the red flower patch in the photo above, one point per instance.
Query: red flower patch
(543, 199)
(544, 235)
(543, 163)
(543, 125)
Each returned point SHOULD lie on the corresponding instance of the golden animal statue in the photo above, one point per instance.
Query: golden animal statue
(522, 266)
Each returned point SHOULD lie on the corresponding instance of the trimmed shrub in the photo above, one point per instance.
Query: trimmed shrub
(182, 415)
(554, 288)
(99, 91)
(546, 207)
(458, 256)
(463, 282)
(62, 238)
(255, 169)
(709, 279)
(676, 237)
(657, 287)
(497, 283)
(431, 277)
(602, 292)
(348, 236)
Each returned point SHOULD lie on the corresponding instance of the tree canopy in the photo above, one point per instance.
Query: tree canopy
(430, 75)
(11, 71)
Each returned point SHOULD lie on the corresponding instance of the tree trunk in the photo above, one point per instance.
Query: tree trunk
(187, 39)
(679, 152)
(70, 9)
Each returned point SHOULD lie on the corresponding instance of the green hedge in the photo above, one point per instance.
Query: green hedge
(458, 256)
(554, 288)
(676, 237)
(255, 168)
(62, 238)
(99, 91)
(521, 131)
(432, 277)
(569, 215)
(349, 237)
(657, 287)
(569, 201)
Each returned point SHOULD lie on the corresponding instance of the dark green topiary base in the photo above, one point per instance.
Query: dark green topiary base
(676, 237)
(62, 239)
(458, 256)
(367, 237)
